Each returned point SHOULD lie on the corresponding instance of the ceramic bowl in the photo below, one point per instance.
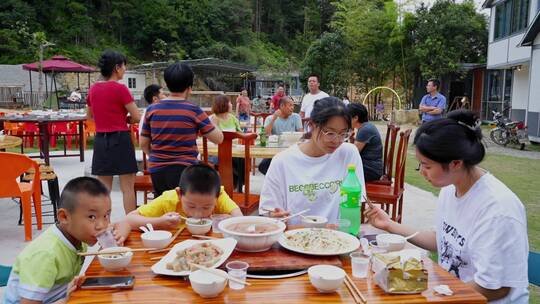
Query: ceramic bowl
(391, 242)
(206, 284)
(326, 278)
(314, 221)
(156, 239)
(115, 262)
(252, 242)
(195, 227)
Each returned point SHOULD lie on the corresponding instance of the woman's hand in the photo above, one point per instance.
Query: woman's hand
(377, 217)
(278, 212)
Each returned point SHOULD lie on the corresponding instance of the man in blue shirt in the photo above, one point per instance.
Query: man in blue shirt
(433, 104)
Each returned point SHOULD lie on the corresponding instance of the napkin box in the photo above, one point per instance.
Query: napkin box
(399, 273)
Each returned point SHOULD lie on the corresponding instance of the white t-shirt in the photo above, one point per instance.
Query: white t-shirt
(295, 181)
(482, 237)
(308, 101)
(141, 123)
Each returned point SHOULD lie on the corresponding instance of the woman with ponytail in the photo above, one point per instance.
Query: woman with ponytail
(481, 226)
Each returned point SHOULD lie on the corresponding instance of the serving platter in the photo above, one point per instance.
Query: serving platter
(226, 245)
(351, 242)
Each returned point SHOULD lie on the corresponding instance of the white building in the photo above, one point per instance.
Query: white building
(135, 81)
(512, 82)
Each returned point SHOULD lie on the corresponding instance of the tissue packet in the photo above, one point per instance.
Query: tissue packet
(400, 273)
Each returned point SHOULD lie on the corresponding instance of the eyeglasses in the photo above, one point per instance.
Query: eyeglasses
(331, 136)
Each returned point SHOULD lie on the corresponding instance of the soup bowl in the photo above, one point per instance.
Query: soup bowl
(252, 233)
(207, 285)
(156, 239)
(390, 241)
(199, 226)
(116, 261)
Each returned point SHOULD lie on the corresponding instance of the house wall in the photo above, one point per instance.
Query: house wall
(520, 93)
(140, 83)
(533, 114)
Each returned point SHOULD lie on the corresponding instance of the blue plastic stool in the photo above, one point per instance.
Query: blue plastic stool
(534, 268)
(4, 275)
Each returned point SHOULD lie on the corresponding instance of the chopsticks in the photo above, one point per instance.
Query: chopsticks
(170, 242)
(157, 258)
(212, 271)
(356, 294)
(204, 237)
(101, 252)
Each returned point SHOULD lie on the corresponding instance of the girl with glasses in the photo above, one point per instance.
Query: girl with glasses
(309, 174)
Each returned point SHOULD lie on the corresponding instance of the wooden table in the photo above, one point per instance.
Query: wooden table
(255, 151)
(10, 142)
(151, 288)
(44, 123)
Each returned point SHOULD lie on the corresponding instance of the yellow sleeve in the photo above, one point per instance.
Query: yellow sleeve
(164, 203)
(224, 205)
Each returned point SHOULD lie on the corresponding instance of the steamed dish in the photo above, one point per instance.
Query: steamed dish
(317, 240)
(253, 227)
(204, 254)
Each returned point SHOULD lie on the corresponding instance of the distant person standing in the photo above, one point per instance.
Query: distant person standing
(346, 100)
(152, 93)
(75, 96)
(259, 105)
(433, 103)
(243, 106)
(275, 99)
(314, 94)
(108, 103)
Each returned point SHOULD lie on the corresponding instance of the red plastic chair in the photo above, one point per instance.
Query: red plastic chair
(13, 166)
(61, 129)
(31, 130)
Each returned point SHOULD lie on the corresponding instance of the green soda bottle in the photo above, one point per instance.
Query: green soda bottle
(351, 192)
(262, 137)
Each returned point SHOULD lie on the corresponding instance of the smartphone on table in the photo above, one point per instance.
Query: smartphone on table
(121, 282)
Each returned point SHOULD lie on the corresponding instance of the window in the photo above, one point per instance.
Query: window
(132, 84)
(511, 16)
(498, 93)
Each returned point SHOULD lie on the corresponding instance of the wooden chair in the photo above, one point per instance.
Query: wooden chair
(391, 196)
(246, 201)
(388, 155)
(143, 182)
(14, 165)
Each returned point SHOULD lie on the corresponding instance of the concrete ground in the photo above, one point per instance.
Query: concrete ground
(419, 207)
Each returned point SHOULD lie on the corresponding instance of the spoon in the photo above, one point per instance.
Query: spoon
(294, 215)
(308, 219)
(144, 229)
(251, 229)
(150, 227)
(364, 243)
(412, 235)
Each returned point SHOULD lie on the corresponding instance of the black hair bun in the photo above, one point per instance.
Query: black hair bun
(468, 119)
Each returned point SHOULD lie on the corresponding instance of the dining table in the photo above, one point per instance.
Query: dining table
(154, 288)
(45, 119)
(238, 150)
(9, 142)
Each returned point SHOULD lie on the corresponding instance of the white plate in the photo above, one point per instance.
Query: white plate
(227, 245)
(353, 242)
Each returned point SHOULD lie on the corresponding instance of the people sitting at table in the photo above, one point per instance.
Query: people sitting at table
(223, 118)
(108, 104)
(309, 174)
(198, 195)
(152, 94)
(48, 267)
(368, 141)
(481, 225)
(75, 96)
(283, 120)
(170, 130)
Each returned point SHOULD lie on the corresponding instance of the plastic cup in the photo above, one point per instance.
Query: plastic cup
(106, 239)
(360, 264)
(344, 225)
(216, 218)
(237, 270)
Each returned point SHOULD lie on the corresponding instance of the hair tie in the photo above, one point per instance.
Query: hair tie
(477, 124)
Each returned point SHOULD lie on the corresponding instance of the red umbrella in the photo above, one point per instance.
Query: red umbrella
(59, 64)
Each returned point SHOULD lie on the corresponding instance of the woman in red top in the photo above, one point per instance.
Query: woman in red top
(109, 102)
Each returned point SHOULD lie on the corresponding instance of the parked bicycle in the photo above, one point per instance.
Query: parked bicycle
(505, 131)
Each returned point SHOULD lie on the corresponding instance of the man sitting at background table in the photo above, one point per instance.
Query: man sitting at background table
(283, 120)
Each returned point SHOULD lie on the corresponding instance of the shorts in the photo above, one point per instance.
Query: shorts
(114, 154)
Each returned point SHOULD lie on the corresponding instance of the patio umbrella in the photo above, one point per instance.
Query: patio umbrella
(58, 64)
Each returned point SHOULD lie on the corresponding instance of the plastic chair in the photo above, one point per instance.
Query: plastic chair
(534, 268)
(61, 129)
(4, 275)
(143, 182)
(89, 130)
(246, 201)
(14, 165)
(392, 195)
(31, 130)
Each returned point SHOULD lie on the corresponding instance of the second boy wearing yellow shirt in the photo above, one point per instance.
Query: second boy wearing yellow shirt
(199, 195)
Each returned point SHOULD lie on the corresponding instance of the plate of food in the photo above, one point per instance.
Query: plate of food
(207, 253)
(319, 241)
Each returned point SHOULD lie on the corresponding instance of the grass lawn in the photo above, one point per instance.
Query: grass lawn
(519, 174)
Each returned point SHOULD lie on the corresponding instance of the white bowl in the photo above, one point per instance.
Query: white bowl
(198, 228)
(206, 284)
(251, 242)
(115, 262)
(390, 242)
(320, 221)
(326, 278)
(156, 239)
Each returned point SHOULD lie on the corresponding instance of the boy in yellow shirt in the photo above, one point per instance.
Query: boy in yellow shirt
(199, 195)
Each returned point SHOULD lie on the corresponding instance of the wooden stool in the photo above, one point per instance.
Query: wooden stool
(50, 177)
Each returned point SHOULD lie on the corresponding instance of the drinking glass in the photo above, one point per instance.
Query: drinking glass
(106, 239)
(237, 270)
(344, 225)
(360, 264)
